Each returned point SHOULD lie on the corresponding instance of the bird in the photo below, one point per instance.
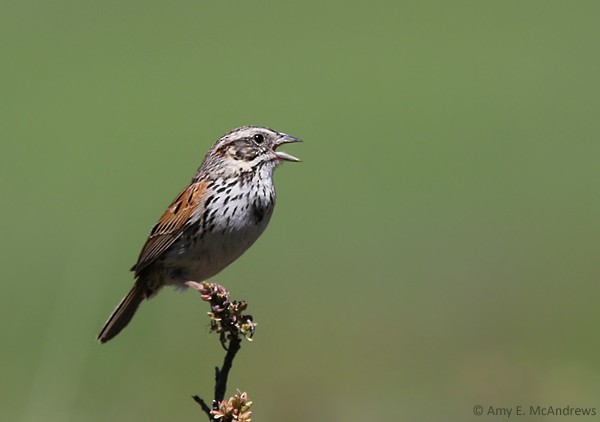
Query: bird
(224, 209)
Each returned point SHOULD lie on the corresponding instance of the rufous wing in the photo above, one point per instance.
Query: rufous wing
(171, 225)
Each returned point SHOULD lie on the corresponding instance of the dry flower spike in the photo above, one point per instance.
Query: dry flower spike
(237, 408)
(226, 316)
(227, 319)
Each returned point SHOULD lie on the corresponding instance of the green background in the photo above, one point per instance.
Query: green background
(437, 248)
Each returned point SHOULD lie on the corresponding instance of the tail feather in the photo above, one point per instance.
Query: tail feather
(122, 314)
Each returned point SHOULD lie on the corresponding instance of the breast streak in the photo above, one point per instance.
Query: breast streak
(226, 235)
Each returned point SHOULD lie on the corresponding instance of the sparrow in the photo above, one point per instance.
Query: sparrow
(212, 222)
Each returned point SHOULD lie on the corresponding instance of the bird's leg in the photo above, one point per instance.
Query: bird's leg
(194, 285)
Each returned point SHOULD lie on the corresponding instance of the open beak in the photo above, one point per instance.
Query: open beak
(285, 139)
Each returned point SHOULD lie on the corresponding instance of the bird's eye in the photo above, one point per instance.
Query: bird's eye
(258, 138)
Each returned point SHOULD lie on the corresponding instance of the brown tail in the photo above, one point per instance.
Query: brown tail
(122, 314)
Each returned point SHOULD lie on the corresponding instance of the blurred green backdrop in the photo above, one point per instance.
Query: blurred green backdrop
(437, 249)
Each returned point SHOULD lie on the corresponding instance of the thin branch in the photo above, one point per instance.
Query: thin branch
(228, 320)
(204, 406)
(235, 344)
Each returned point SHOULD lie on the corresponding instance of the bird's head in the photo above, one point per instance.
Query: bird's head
(249, 148)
